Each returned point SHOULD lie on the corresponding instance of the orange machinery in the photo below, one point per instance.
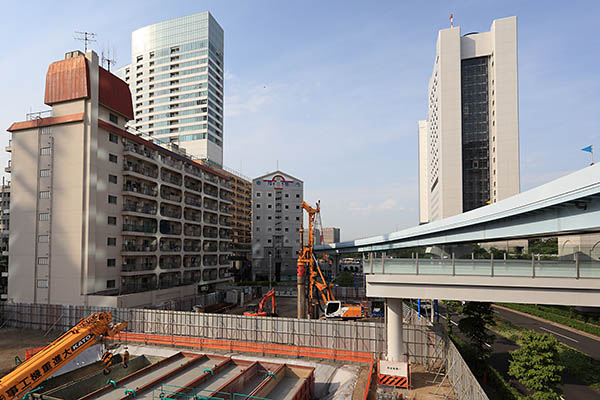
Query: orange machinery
(259, 311)
(333, 309)
(25, 378)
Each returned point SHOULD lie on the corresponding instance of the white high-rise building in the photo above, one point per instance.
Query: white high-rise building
(469, 144)
(176, 80)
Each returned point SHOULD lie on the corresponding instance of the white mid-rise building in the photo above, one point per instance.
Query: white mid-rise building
(176, 80)
(469, 144)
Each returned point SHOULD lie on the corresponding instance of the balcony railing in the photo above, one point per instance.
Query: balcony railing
(141, 150)
(140, 188)
(130, 227)
(146, 171)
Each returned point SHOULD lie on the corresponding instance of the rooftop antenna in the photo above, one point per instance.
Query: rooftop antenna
(85, 37)
(108, 60)
(451, 20)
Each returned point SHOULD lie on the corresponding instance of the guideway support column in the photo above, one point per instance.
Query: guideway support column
(395, 340)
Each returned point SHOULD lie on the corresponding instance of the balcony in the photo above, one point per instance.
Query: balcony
(139, 206)
(211, 204)
(170, 211)
(211, 178)
(224, 273)
(170, 194)
(192, 262)
(225, 247)
(224, 259)
(211, 218)
(211, 190)
(209, 274)
(137, 264)
(194, 246)
(210, 246)
(170, 262)
(171, 162)
(225, 208)
(138, 244)
(193, 200)
(193, 230)
(170, 177)
(210, 260)
(225, 195)
(225, 221)
(144, 188)
(193, 184)
(210, 232)
(192, 215)
(140, 168)
(138, 283)
(170, 228)
(8, 148)
(144, 225)
(225, 233)
(170, 245)
(190, 277)
(193, 170)
(169, 279)
(139, 150)
(8, 168)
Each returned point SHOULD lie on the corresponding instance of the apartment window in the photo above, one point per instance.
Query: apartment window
(286, 206)
(297, 218)
(112, 178)
(113, 158)
(112, 220)
(45, 194)
(111, 262)
(112, 199)
(111, 241)
(112, 137)
(258, 206)
(257, 229)
(269, 241)
(46, 151)
(287, 195)
(269, 194)
(257, 217)
(110, 283)
(44, 216)
(42, 260)
(44, 173)
(42, 283)
(43, 238)
(269, 205)
(257, 194)
(297, 196)
(269, 217)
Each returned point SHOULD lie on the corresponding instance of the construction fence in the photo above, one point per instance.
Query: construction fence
(336, 340)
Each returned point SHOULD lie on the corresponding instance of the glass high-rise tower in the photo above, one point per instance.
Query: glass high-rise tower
(176, 81)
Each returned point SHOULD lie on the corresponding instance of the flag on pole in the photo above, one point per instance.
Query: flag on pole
(588, 149)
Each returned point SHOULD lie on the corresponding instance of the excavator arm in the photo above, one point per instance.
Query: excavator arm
(31, 373)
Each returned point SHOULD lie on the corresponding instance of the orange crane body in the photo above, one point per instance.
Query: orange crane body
(33, 371)
(260, 312)
(306, 260)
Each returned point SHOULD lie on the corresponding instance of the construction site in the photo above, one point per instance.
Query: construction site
(332, 349)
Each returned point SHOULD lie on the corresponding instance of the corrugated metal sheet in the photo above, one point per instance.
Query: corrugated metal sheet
(67, 80)
(114, 93)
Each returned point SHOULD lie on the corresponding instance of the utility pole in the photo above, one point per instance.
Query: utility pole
(85, 37)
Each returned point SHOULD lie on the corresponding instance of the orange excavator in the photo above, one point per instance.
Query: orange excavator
(259, 310)
(26, 378)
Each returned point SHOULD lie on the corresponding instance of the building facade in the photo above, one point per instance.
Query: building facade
(330, 235)
(100, 215)
(276, 216)
(4, 229)
(176, 79)
(469, 144)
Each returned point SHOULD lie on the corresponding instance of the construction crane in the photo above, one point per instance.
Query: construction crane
(26, 378)
(259, 310)
(319, 290)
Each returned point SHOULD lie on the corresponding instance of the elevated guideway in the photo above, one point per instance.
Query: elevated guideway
(566, 206)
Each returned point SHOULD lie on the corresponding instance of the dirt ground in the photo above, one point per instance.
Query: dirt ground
(14, 342)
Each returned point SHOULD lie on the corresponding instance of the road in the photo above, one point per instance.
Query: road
(584, 344)
(572, 388)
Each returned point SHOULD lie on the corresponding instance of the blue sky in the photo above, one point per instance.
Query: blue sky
(333, 90)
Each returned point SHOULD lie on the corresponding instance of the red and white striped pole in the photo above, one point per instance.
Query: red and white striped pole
(451, 20)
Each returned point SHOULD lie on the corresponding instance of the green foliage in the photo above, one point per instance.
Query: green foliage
(536, 364)
(504, 390)
(551, 316)
(543, 246)
(580, 365)
(473, 325)
(345, 278)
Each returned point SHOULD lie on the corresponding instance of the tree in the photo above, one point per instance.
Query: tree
(346, 278)
(473, 325)
(535, 365)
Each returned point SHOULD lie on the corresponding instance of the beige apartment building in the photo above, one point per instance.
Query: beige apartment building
(469, 143)
(330, 235)
(101, 216)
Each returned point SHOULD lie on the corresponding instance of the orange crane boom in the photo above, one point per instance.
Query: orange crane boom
(32, 372)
